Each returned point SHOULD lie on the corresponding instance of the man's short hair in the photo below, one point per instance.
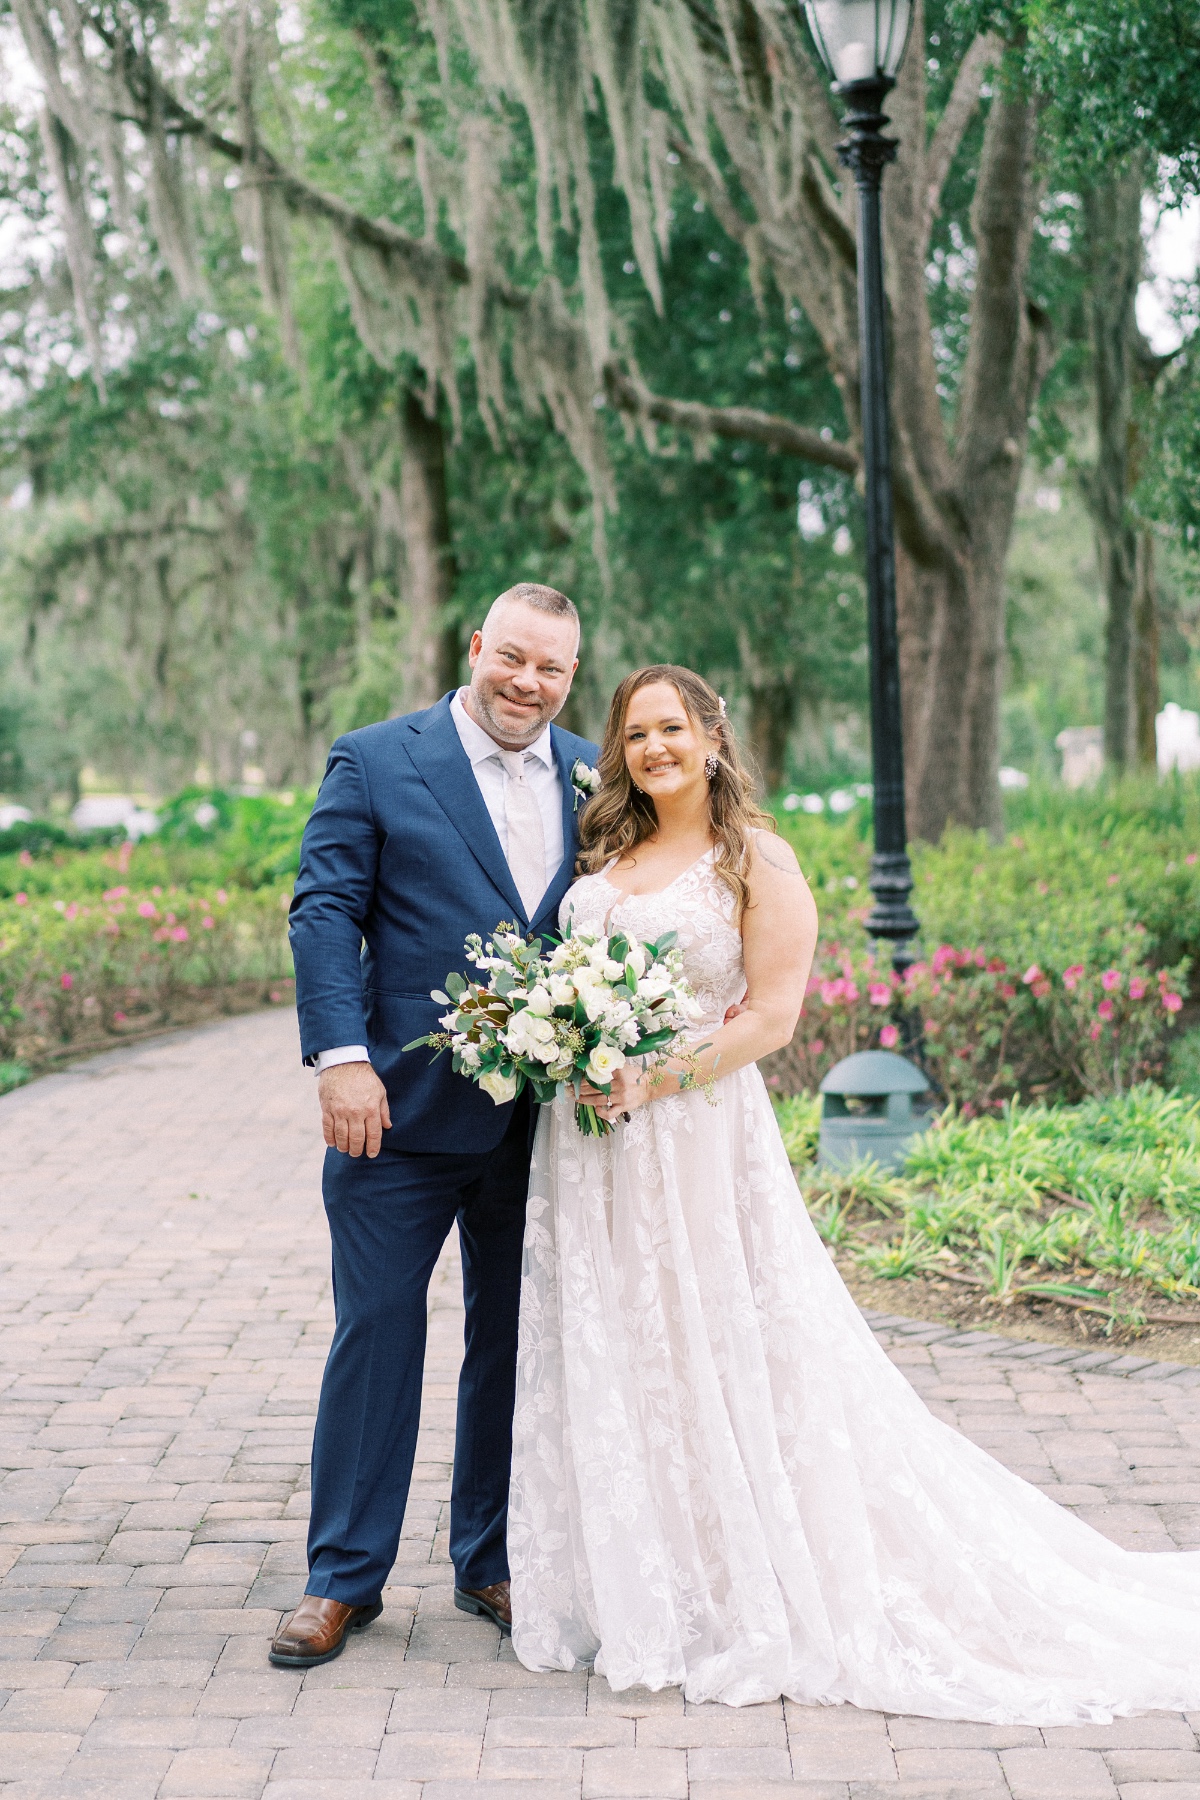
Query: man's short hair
(542, 599)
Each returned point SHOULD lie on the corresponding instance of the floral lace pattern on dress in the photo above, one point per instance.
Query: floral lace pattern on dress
(719, 1478)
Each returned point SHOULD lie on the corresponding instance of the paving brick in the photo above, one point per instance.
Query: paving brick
(217, 1775)
(1057, 1774)
(629, 1773)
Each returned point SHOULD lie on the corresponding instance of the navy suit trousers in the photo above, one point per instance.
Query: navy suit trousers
(388, 1219)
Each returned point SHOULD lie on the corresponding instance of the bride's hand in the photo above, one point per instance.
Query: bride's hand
(630, 1088)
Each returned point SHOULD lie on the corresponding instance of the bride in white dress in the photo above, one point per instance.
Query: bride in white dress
(719, 1479)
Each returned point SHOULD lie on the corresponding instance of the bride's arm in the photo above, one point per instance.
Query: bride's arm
(779, 937)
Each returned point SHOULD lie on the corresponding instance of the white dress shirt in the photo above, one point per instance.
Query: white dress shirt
(491, 776)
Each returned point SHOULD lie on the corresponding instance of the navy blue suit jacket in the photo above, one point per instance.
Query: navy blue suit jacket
(400, 863)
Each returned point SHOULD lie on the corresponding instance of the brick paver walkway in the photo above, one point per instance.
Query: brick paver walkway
(165, 1316)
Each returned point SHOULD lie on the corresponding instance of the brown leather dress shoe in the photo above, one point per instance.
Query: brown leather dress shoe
(316, 1631)
(487, 1603)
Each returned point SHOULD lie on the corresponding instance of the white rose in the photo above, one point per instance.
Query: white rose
(654, 985)
(545, 1053)
(595, 1002)
(587, 977)
(501, 1087)
(470, 1056)
(603, 1064)
(562, 990)
(598, 954)
(614, 971)
(636, 959)
(540, 1001)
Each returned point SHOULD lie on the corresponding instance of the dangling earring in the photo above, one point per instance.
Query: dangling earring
(711, 766)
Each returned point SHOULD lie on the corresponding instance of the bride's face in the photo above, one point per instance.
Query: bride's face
(664, 750)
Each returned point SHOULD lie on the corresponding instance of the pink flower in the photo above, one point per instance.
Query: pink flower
(1105, 1010)
(851, 993)
(1189, 859)
(26, 860)
(72, 911)
(170, 918)
(1032, 974)
(117, 893)
(1110, 981)
(1071, 977)
(1094, 1033)
(1008, 992)
(817, 1046)
(119, 1018)
(66, 981)
(1172, 1002)
(1113, 880)
(879, 993)
(20, 899)
(147, 909)
(943, 958)
(833, 991)
(1137, 987)
(1041, 987)
(180, 934)
(997, 966)
(222, 896)
(157, 892)
(889, 1037)
(207, 922)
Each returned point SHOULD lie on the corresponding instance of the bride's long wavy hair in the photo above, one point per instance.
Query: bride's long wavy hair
(620, 816)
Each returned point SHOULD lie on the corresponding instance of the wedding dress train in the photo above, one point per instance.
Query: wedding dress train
(719, 1478)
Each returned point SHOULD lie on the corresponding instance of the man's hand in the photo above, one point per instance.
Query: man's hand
(354, 1108)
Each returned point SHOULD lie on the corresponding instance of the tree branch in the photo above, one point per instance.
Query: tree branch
(743, 422)
(958, 113)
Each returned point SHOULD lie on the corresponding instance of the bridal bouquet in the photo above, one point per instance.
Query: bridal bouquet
(555, 1020)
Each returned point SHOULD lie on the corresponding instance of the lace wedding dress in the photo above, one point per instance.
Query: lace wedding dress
(719, 1479)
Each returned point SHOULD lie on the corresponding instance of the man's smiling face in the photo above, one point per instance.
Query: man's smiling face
(522, 663)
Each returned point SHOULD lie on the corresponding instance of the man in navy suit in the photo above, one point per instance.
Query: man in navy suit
(426, 828)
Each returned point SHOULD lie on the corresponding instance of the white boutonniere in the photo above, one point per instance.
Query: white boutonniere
(584, 780)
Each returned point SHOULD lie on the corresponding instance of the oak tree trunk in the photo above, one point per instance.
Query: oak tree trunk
(1112, 214)
(429, 566)
(772, 710)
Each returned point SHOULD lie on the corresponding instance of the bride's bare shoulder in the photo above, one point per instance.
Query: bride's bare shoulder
(775, 852)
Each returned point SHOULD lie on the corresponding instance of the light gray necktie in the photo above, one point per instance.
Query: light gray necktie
(526, 834)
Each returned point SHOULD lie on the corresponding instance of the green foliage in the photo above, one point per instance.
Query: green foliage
(1098, 1202)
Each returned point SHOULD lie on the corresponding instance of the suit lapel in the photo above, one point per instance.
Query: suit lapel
(445, 768)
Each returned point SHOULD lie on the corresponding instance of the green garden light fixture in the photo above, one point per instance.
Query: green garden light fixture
(862, 44)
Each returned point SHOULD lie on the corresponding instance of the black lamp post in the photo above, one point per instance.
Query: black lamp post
(862, 44)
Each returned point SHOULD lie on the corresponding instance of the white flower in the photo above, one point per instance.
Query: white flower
(562, 990)
(596, 1000)
(654, 984)
(502, 1088)
(469, 1055)
(613, 971)
(636, 958)
(561, 955)
(587, 977)
(603, 1064)
(584, 780)
(598, 954)
(544, 1053)
(540, 1002)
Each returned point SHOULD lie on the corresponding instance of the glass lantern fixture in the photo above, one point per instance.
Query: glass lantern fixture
(860, 40)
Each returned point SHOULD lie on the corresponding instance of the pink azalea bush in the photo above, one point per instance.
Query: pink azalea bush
(82, 971)
(1095, 1024)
